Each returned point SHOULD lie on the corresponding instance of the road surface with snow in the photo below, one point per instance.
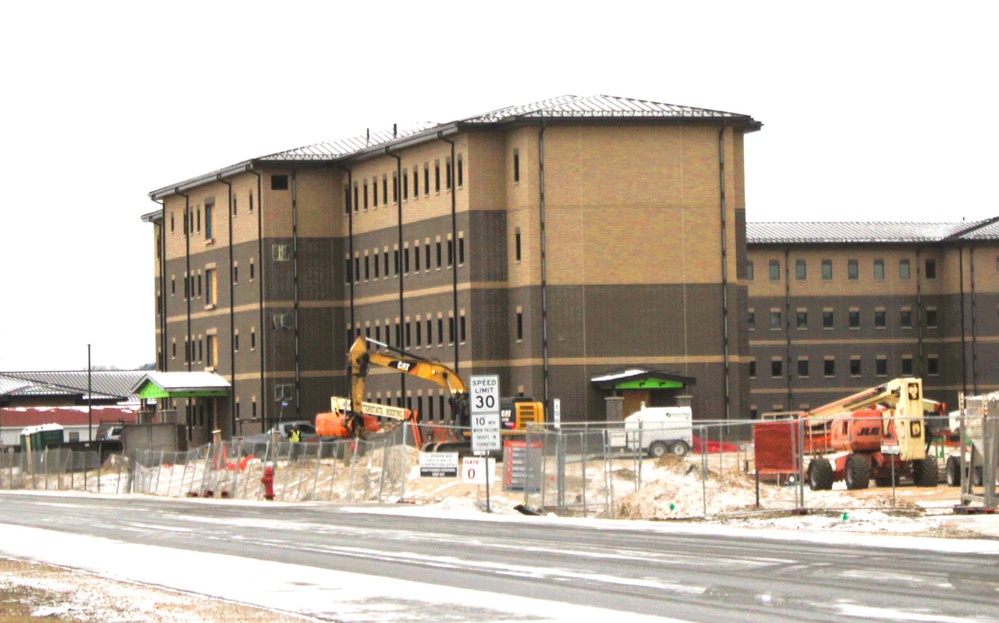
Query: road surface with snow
(403, 563)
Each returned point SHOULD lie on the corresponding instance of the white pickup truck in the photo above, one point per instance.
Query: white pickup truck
(656, 430)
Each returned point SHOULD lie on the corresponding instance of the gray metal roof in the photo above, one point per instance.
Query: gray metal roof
(566, 107)
(103, 383)
(601, 106)
(867, 232)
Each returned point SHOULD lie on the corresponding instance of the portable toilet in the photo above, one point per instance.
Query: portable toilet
(37, 438)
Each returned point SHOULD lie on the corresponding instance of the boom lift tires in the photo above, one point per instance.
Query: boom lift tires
(926, 472)
(820, 475)
(953, 471)
(857, 473)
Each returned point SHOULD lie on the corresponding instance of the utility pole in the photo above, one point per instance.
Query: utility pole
(90, 407)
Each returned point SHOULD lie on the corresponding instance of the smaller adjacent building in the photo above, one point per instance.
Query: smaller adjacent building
(838, 307)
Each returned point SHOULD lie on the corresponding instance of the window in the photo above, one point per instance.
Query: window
(749, 270)
(881, 366)
(386, 262)
(211, 280)
(777, 368)
(905, 318)
(283, 392)
(879, 319)
(409, 334)
(903, 269)
(252, 273)
(282, 320)
(752, 369)
(516, 166)
(279, 252)
(803, 367)
(426, 255)
(827, 319)
(440, 331)
(855, 366)
(931, 269)
(251, 201)
(774, 270)
(171, 222)
(279, 182)
(829, 367)
(173, 285)
(450, 253)
(450, 330)
(365, 194)
(234, 201)
(405, 184)
(932, 365)
(854, 318)
(879, 270)
(416, 182)
(235, 341)
(385, 188)
(774, 320)
(209, 209)
(931, 318)
(801, 320)
(520, 325)
(852, 270)
(437, 178)
(395, 187)
(826, 270)
(907, 365)
(800, 270)
(357, 269)
(439, 254)
(751, 319)
(430, 331)
(211, 347)
(447, 173)
(374, 192)
(395, 260)
(376, 263)
(461, 331)
(416, 257)
(461, 250)
(516, 244)
(367, 267)
(346, 199)
(235, 272)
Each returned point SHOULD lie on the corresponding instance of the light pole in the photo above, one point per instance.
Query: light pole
(90, 407)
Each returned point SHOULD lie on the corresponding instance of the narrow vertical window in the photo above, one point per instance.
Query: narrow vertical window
(437, 176)
(450, 253)
(346, 199)
(827, 272)
(251, 201)
(461, 250)
(800, 270)
(405, 184)
(931, 269)
(774, 270)
(440, 255)
(416, 256)
(520, 325)
(516, 244)
(879, 270)
(447, 173)
(852, 270)
(516, 166)
(461, 171)
(365, 194)
(461, 328)
(374, 192)
(903, 269)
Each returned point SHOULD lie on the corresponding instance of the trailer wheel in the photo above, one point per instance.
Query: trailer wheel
(954, 471)
(657, 449)
(926, 472)
(857, 472)
(679, 448)
(820, 475)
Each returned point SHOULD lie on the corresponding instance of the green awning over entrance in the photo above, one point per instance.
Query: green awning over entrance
(642, 379)
(181, 385)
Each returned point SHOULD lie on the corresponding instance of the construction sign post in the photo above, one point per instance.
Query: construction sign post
(485, 412)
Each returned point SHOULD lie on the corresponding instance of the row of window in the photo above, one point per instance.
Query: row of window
(853, 317)
(856, 366)
(410, 334)
(374, 264)
(852, 270)
(204, 350)
(376, 189)
(192, 219)
(193, 283)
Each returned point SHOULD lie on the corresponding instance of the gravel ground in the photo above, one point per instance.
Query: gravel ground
(30, 591)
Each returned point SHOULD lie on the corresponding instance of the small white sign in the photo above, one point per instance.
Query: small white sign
(486, 432)
(485, 391)
(889, 446)
(557, 412)
(438, 464)
(474, 469)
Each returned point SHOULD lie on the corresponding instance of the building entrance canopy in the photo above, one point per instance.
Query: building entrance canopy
(181, 385)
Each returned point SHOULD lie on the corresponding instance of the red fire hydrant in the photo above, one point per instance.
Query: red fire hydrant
(268, 482)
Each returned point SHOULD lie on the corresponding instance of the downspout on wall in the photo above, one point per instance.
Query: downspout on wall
(294, 282)
(974, 323)
(964, 357)
(188, 355)
(723, 207)
(454, 242)
(787, 328)
(161, 364)
(398, 258)
(348, 204)
(919, 313)
(232, 320)
(260, 295)
(546, 371)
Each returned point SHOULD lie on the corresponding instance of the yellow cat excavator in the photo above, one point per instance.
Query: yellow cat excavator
(355, 422)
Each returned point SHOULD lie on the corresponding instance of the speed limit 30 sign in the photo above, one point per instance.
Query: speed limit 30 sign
(485, 411)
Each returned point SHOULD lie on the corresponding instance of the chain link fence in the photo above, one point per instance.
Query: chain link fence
(592, 470)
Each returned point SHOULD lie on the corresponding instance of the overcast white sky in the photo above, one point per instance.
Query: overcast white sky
(872, 111)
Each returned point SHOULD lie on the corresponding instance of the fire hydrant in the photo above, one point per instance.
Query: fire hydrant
(268, 481)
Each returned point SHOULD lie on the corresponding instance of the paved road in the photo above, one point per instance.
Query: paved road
(661, 572)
